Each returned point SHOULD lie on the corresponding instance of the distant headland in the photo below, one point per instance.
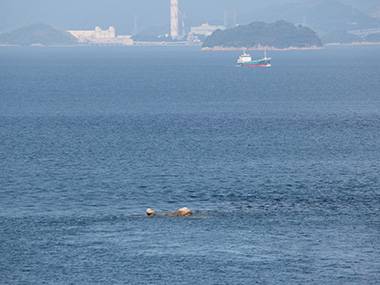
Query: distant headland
(281, 35)
(38, 35)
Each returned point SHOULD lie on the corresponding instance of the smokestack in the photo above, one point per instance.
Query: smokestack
(174, 19)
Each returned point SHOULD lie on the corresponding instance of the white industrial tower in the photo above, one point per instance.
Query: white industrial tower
(174, 19)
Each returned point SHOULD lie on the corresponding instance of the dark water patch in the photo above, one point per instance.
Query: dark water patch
(280, 166)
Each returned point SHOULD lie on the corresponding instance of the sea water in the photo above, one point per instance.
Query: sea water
(280, 165)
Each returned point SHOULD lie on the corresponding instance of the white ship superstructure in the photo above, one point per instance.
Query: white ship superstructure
(244, 58)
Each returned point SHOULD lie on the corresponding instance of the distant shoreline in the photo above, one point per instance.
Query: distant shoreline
(159, 44)
(353, 44)
(219, 48)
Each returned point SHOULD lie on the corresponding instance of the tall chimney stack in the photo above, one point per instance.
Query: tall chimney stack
(174, 19)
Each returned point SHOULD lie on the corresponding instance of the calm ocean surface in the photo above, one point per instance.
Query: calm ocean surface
(280, 165)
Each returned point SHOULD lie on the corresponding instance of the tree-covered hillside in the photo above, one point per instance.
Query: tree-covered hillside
(280, 35)
(38, 34)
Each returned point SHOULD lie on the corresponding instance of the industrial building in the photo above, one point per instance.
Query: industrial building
(101, 37)
(108, 37)
(205, 29)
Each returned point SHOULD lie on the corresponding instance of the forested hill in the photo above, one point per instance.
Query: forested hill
(278, 35)
(40, 34)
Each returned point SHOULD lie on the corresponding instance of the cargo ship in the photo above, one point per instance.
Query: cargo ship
(246, 60)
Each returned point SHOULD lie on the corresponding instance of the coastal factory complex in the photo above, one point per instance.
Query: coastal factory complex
(109, 37)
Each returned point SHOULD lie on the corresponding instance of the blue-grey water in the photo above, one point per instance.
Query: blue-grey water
(280, 165)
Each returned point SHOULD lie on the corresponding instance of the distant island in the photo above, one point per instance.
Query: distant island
(38, 34)
(261, 35)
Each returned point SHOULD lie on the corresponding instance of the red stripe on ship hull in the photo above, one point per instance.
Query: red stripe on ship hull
(262, 64)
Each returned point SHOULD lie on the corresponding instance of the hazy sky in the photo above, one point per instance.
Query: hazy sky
(86, 14)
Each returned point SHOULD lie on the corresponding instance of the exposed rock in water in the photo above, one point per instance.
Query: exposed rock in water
(150, 212)
(182, 212)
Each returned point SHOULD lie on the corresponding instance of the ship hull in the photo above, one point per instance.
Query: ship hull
(262, 63)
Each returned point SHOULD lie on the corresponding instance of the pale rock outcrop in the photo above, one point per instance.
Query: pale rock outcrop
(182, 212)
(150, 212)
